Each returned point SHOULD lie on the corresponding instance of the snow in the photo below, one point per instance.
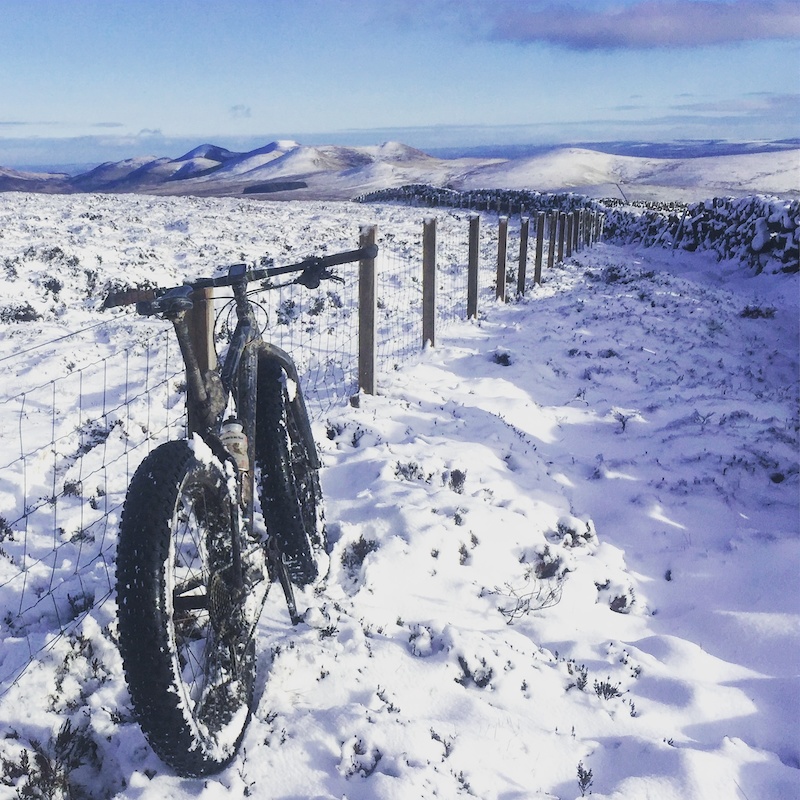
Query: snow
(567, 534)
(671, 179)
(342, 173)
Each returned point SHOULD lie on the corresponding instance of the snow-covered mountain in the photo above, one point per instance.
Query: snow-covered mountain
(12, 180)
(602, 174)
(286, 169)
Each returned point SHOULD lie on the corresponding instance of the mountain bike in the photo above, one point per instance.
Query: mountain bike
(199, 547)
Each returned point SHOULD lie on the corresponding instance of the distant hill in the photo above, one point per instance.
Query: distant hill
(286, 169)
(632, 177)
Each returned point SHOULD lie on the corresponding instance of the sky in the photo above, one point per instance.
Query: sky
(84, 81)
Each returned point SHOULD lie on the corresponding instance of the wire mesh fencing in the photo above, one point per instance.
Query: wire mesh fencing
(75, 441)
(72, 442)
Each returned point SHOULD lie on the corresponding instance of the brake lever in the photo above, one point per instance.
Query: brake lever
(172, 302)
(314, 274)
(333, 277)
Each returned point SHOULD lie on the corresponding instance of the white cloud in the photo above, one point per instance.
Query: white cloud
(640, 25)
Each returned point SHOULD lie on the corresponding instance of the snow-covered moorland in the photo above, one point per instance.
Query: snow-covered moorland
(564, 540)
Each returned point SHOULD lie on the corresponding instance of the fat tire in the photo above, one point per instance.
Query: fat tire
(288, 484)
(175, 535)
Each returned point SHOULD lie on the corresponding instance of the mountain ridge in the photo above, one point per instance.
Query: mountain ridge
(285, 169)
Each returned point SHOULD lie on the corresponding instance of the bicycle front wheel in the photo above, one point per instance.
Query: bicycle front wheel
(291, 498)
(187, 651)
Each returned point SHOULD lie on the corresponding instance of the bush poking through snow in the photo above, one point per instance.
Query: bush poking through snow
(584, 779)
(358, 758)
(354, 555)
(410, 471)
(606, 690)
(620, 598)
(537, 592)
(502, 356)
(456, 480)
(481, 675)
(581, 674)
(19, 312)
(48, 771)
(574, 532)
(756, 312)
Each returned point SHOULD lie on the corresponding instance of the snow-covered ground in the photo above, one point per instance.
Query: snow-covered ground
(564, 540)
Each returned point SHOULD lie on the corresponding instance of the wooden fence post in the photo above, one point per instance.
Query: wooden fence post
(200, 321)
(429, 282)
(576, 225)
(367, 307)
(472, 268)
(562, 225)
(502, 248)
(537, 269)
(551, 244)
(569, 235)
(523, 254)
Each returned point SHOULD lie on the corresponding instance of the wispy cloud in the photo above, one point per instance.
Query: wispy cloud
(750, 105)
(641, 25)
(240, 111)
(21, 123)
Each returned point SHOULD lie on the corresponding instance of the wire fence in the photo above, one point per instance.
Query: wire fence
(76, 439)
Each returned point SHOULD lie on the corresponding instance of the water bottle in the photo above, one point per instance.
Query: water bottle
(233, 437)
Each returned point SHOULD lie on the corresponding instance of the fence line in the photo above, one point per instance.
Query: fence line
(69, 478)
(80, 436)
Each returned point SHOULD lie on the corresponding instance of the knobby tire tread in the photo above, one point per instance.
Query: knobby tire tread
(146, 631)
(291, 498)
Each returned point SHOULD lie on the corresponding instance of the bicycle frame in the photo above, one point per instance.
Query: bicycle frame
(194, 562)
(208, 395)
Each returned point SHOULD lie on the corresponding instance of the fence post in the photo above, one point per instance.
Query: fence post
(200, 320)
(551, 244)
(502, 248)
(523, 254)
(562, 225)
(537, 269)
(367, 307)
(472, 268)
(576, 226)
(429, 281)
(569, 235)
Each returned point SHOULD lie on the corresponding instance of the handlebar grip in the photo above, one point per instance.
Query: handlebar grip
(128, 297)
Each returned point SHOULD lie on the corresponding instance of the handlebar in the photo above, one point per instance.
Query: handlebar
(313, 270)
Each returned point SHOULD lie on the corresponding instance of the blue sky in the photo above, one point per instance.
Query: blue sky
(89, 80)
